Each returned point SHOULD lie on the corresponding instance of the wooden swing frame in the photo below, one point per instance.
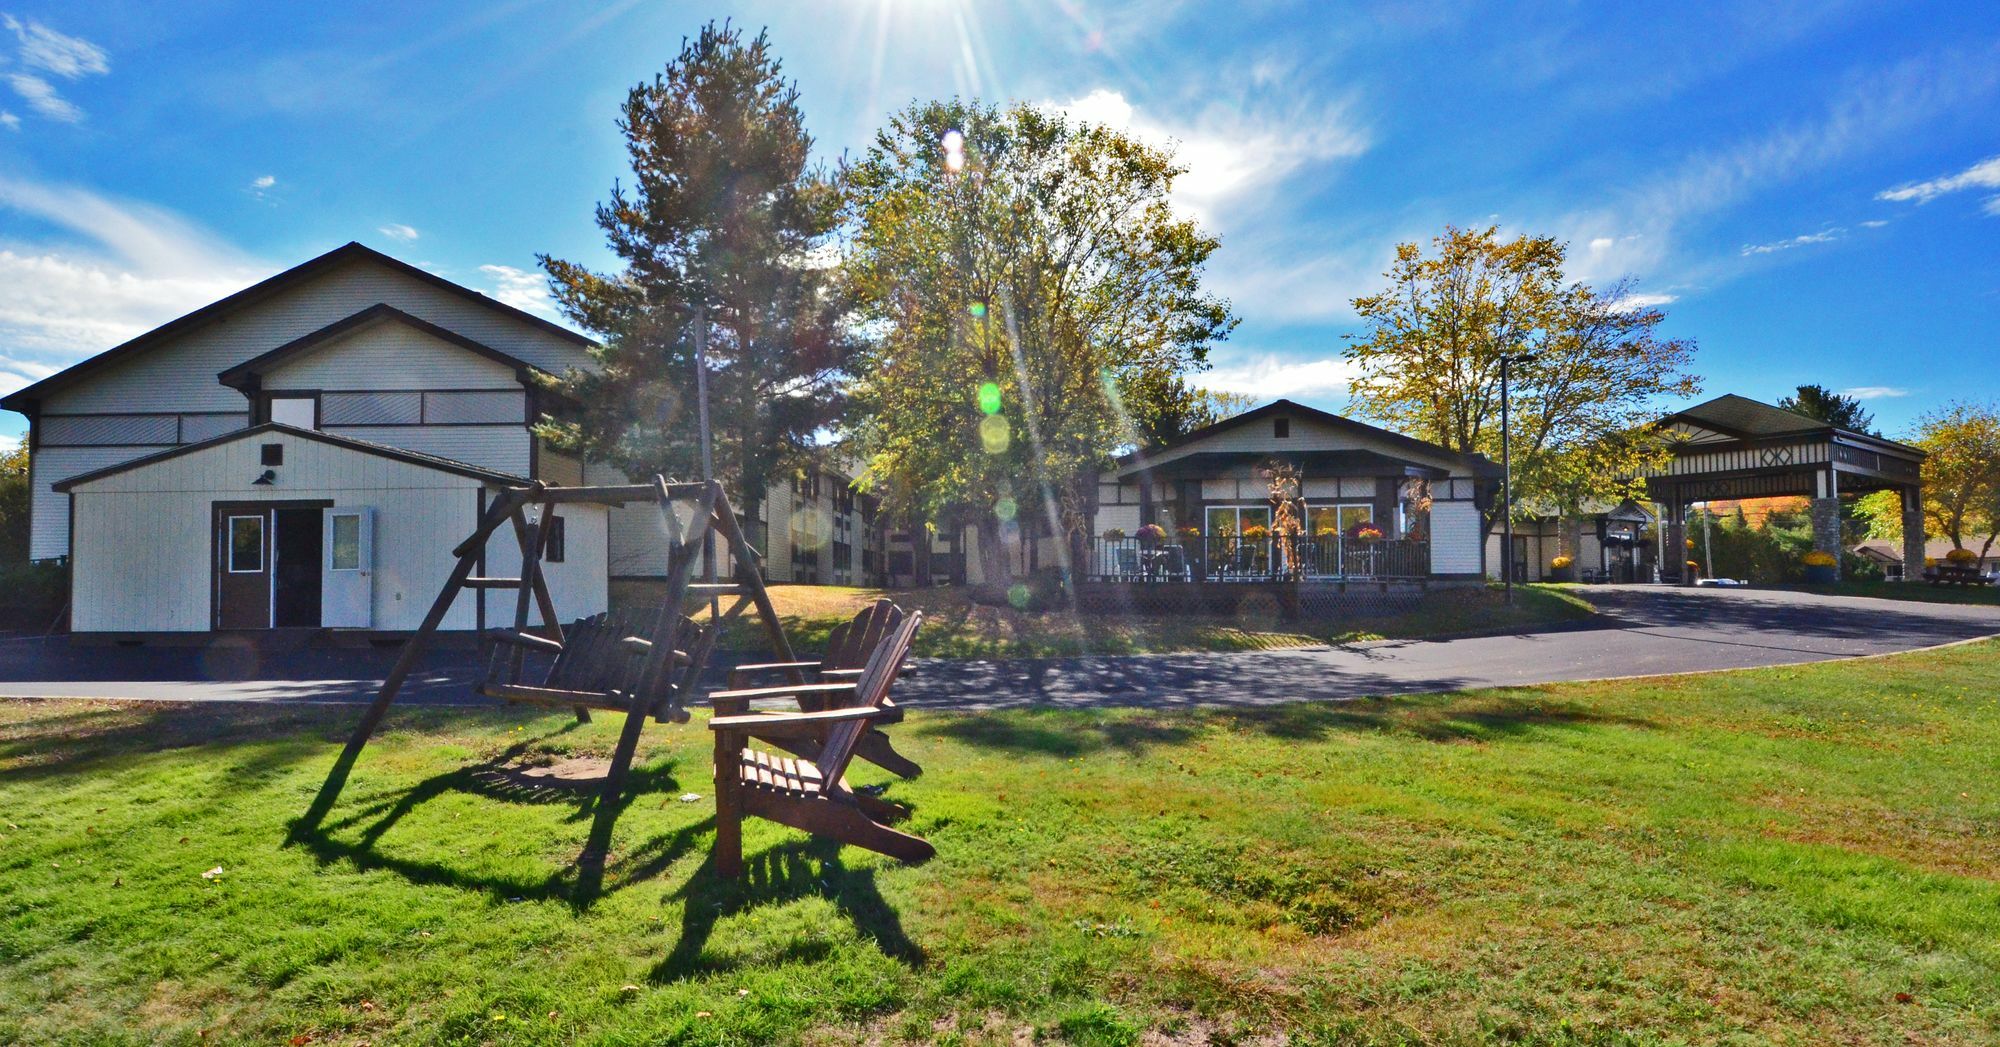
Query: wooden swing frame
(663, 673)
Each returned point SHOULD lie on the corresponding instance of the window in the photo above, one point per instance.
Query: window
(1281, 428)
(552, 548)
(299, 411)
(346, 555)
(1229, 521)
(272, 454)
(1342, 518)
(246, 544)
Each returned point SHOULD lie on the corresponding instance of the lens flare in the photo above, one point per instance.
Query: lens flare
(995, 434)
(989, 398)
(1006, 509)
(977, 309)
(954, 151)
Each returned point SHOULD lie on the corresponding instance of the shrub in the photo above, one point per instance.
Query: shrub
(35, 592)
(1816, 558)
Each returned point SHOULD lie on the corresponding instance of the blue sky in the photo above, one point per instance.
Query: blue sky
(1813, 190)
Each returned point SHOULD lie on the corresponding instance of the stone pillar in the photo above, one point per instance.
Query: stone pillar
(1913, 533)
(1826, 529)
(1676, 553)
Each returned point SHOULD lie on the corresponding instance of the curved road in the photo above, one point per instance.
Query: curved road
(1643, 630)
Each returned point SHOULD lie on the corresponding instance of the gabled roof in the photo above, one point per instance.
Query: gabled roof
(245, 375)
(1746, 419)
(1478, 463)
(429, 461)
(24, 399)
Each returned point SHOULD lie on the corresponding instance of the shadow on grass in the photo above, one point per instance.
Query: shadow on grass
(100, 736)
(788, 872)
(1068, 733)
(497, 779)
(1061, 734)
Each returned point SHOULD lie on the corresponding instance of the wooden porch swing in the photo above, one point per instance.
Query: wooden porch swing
(641, 662)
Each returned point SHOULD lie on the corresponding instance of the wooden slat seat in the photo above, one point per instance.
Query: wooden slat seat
(848, 650)
(810, 792)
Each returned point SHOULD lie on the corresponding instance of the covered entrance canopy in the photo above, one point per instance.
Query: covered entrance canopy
(1733, 447)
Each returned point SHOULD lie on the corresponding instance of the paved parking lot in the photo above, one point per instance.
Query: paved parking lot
(1643, 630)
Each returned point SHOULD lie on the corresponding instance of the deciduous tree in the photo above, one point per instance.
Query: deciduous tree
(1961, 473)
(727, 211)
(1018, 271)
(1590, 374)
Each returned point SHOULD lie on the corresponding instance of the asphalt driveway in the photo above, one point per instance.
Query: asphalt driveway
(1643, 630)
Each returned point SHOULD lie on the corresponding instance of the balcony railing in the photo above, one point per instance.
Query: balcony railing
(1192, 560)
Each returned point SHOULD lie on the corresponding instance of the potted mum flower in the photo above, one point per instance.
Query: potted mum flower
(1150, 535)
(1563, 569)
(1367, 533)
(1114, 534)
(1256, 532)
(1822, 568)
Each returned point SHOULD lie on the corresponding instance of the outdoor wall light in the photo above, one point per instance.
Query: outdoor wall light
(270, 477)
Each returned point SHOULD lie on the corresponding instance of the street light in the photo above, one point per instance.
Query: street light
(1507, 478)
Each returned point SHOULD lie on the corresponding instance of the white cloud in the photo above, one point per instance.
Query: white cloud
(9, 120)
(1874, 223)
(45, 49)
(398, 231)
(1983, 175)
(1824, 236)
(1634, 302)
(263, 181)
(8, 442)
(1875, 392)
(1648, 221)
(1269, 376)
(1232, 152)
(41, 96)
(521, 289)
(124, 269)
(40, 48)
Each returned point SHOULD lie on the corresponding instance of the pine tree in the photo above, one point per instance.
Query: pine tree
(726, 211)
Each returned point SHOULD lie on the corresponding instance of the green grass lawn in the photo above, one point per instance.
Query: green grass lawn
(1804, 855)
(956, 627)
(1986, 594)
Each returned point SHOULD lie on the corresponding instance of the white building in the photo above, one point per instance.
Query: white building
(305, 452)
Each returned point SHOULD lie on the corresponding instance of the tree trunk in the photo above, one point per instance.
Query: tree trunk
(996, 568)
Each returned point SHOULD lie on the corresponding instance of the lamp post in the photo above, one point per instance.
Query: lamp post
(1507, 479)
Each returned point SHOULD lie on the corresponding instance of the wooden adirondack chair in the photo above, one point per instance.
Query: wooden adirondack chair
(810, 794)
(848, 650)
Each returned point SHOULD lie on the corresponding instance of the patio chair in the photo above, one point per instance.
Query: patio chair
(848, 649)
(811, 794)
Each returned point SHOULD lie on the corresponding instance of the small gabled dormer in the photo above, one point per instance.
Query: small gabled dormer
(389, 377)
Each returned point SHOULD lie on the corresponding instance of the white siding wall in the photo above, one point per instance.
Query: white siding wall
(499, 447)
(1306, 435)
(181, 376)
(577, 585)
(391, 355)
(1454, 538)
(142, 545)
(1123, 517)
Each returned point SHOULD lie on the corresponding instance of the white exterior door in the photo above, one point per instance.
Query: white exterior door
(347, 591)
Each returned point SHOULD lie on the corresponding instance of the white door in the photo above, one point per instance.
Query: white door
(347, 593)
